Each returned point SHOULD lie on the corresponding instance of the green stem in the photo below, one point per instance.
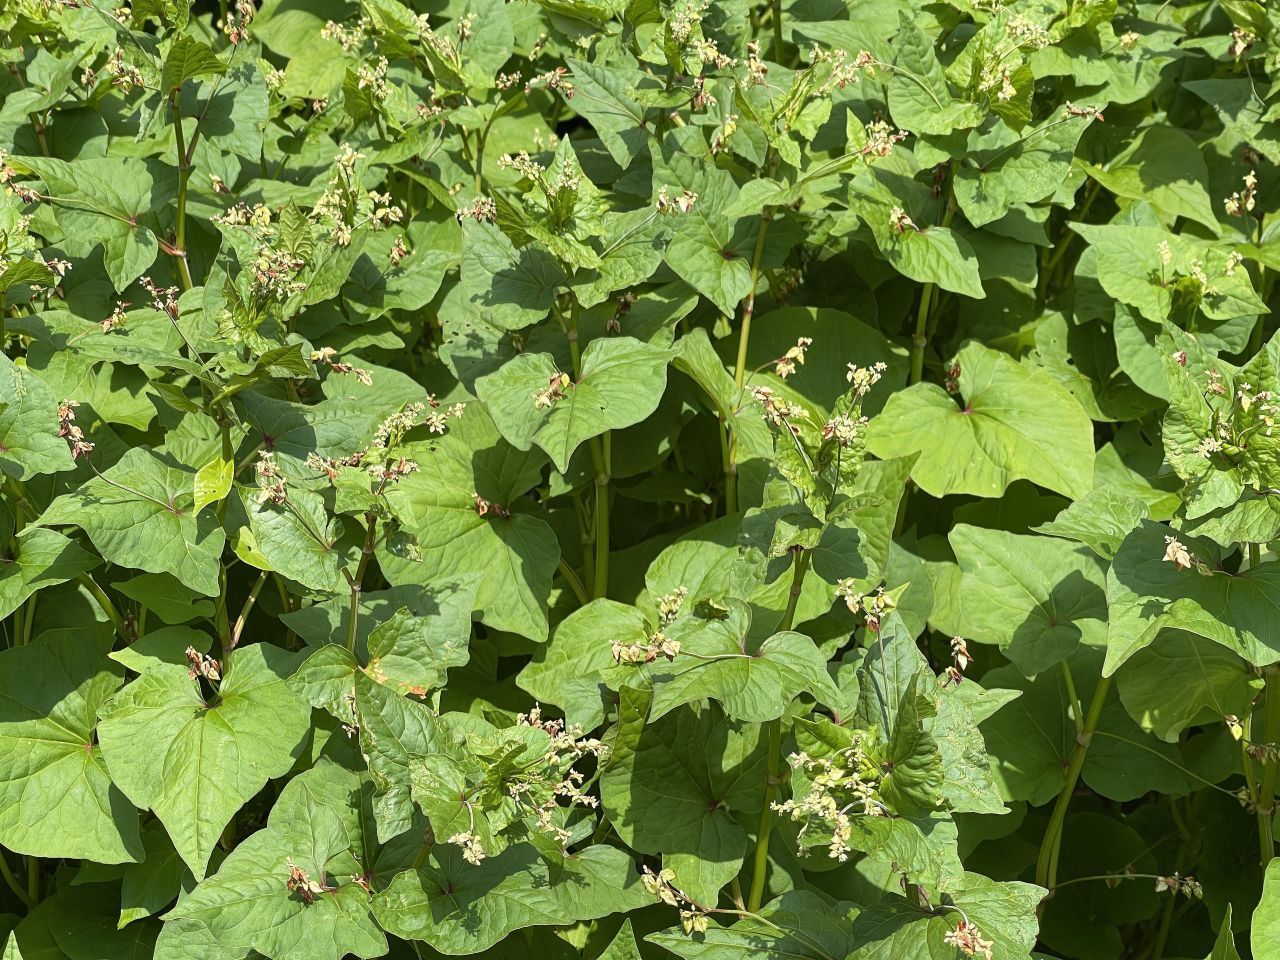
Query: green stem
(366, 552)
(1047, 864)
(1270, 772)
(777, 31)
(772, 780)
(18, 890)
(1075, 698)
(602, 459)
(105, 603)
(184, 174)
(574, 582)
(919, 339)
(33, 879)
(248, 606)
(740, 367)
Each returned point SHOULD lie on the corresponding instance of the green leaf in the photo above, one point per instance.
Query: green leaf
(196, 760)
(621, 384)
(213, 482)
(1183, 680)
(297, 538)
(315, 825)
(1100, 520)
(29, 441)
(1004, 913)
(919, 97)
(1165, 168)
(42, 559)
(458, 908)
(799, 925)
(1224, 948)
(437, 505)
(1038, 598)
(1013, 421)
(603, 97)
(189, 58)
(1264, 931)
(1146, 592)
(568, 671)
(752, 680)
(140, 514)
(56, 799)
(107, 201)
(680, 787)
(1002, 168)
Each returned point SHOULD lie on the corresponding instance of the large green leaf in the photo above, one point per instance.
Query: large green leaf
(752, 681)
(1013, 421)
(42, 559)
(460, 908)
(1038, 598)
(679, 786)
(29, 441)
(56, 798)
(105, 201)
(316, 825)
(799, 925)
(140, 514)
(621, 383)
(193, 759)
(1146, 592)
(438, 505)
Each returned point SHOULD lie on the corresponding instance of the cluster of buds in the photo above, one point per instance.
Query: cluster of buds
(873, 606)
(777, 411)
(1263, 753)
(1075, 110)
(394, 428)
(899, 222)
(996, 76)
(327, 356)
(1243, 201)
(486, 508)
(1027, 33)
(1177, 553)
(881, 139)
(202, 665)
(757, 70)
(552, 80)
(670, 207)
(1129, 40)
(843, 429)
(554, 390)
(1241, 41)
(373, 77)
(840, 787)
(67, 429)
(329, 466)
(863, 379)
(960, 660)
(392, 471)
(967, 938)
(658, 645)
(165, 301)
(669, 606)
(694, 918)
(542, 787)
(483, 210)
(122, 73)
(786, 364)
(117, 318)
(1176, 884)
(237, 23)
(398, 252)
(271, 482)
(349, 38)
(707, 51)
(472, 850)
(301, 885)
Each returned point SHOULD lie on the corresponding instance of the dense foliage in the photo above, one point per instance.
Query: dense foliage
(635, 478)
